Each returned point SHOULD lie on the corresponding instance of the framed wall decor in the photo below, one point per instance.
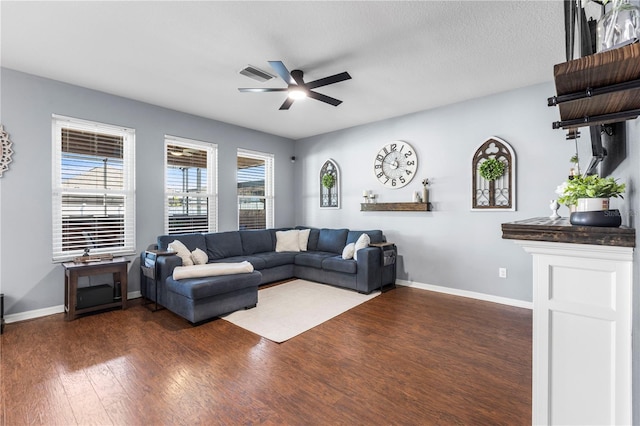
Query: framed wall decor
(6, 152)
(493, 171)
(329, 181)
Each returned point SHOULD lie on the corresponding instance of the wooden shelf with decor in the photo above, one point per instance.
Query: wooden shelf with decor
(598, 89)
(395, 207)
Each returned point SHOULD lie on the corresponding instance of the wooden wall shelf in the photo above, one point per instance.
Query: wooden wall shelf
(561, 231)
(598, 89)
(395, 207)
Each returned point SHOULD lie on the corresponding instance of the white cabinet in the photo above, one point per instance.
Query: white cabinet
(581, 333)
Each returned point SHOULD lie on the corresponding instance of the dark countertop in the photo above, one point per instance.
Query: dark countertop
(561, 231)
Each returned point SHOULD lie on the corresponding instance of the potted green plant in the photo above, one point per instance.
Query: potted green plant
(328, 180)
(589, 193)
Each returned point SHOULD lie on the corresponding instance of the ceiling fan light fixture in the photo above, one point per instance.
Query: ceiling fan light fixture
(297, 93)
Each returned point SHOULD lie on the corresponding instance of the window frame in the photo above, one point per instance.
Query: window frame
(211, 180)
(59, 191)
(269, 185)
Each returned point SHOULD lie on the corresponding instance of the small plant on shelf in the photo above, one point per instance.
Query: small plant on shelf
(592, 186)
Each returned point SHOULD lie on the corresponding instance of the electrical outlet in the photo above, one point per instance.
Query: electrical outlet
(502, 272)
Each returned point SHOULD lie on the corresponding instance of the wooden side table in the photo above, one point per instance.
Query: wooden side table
(72, 271)
(388, 259)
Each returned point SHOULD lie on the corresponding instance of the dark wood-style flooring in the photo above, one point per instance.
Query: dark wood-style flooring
(407, 357)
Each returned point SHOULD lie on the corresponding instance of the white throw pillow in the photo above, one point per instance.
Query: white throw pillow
(182, 251)
(199, 257)
(303, 238)
(348, 251)
(287, 240)
(363, 241)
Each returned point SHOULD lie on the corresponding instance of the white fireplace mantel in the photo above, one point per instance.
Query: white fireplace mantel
(582, 323)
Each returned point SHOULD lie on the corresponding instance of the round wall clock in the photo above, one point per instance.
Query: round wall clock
(6, 152)
(396, 164)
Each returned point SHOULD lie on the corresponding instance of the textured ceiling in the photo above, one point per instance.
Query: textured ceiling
(403, 56)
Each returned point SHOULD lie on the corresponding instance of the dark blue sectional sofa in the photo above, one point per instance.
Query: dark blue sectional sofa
(199, 299)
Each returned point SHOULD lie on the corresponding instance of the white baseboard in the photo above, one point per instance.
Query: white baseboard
(37, 313)
(465, 293)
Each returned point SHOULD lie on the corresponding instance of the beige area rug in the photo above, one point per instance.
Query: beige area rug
(289, 309)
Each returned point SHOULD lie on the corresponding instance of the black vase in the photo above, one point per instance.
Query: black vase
(604, 218)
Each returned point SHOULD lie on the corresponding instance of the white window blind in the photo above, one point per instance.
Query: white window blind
(93, 188)
(255, 190)
(190, 186)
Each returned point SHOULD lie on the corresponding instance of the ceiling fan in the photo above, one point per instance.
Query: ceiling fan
(297, 88)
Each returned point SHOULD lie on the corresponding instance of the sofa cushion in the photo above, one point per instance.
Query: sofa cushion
(338, 264)
(348, 251)
(312, 241)
(332, 240)
(199, 257)
(192, 241)
(256, 241)
(303, 238)
(376, 236)
(362, 242)
(313, 259)
(288, 240)
(199, 288)
(257, 262)
(220, 245)
(273, 259)
(181, 251)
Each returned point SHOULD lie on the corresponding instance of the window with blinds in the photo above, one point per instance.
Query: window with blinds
(93, 188)
(190, 186)
(255, 190)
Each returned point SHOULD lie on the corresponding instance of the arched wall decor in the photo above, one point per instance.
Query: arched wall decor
(498, 194)
(329, 185)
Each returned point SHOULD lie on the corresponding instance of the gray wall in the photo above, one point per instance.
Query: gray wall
(451, 246)
(28, 278)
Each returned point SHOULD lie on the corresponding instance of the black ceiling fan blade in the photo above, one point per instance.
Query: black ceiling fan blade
(282, 71)
(324, 98)
(297, 77)
(286, 104)
(262, 89)
(329, 80)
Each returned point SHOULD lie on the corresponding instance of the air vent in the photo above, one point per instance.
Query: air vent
(256, 73)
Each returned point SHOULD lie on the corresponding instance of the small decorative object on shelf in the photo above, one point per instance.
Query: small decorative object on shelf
(592, 186)
(554, 206)
(619, 26)
(425, 191)
(588, 199)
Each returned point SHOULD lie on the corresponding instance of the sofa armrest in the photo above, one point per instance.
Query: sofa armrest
(369, 275)
(376, 268)
(165, 266)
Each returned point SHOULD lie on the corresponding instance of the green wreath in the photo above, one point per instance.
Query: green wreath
(491, 169)
(328, 180)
